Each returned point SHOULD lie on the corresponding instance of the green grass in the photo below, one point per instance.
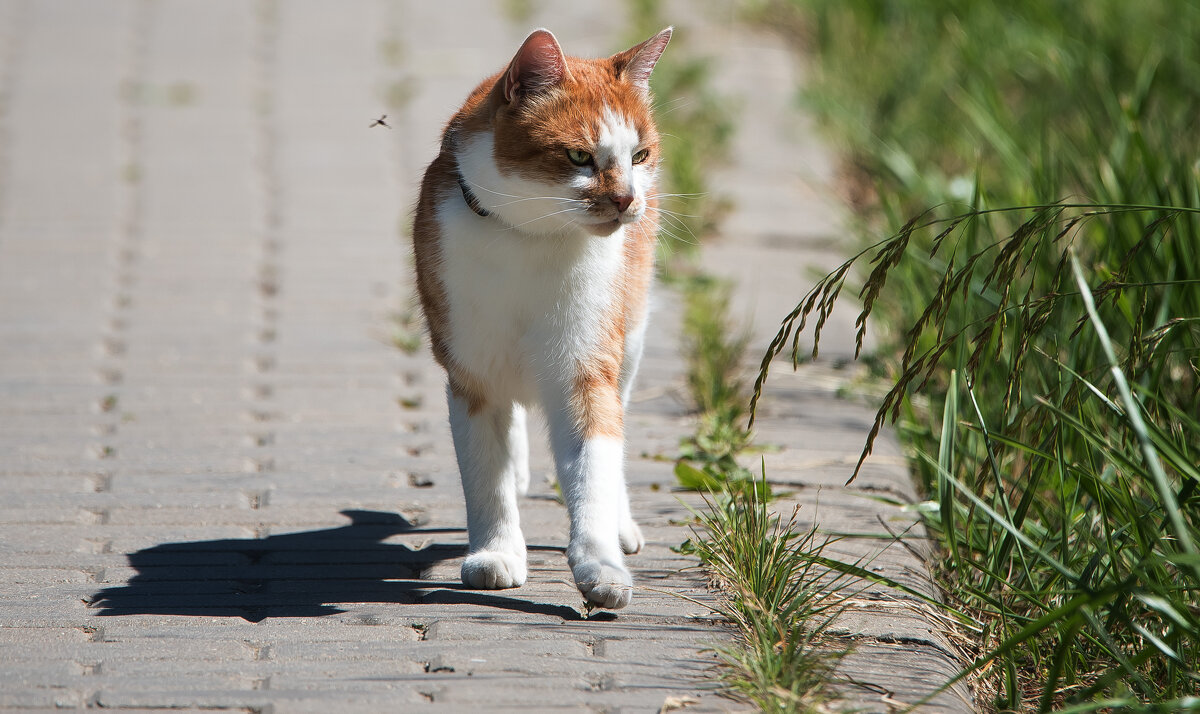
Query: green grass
(778, 596)
(1062, 473)
(1041, 318)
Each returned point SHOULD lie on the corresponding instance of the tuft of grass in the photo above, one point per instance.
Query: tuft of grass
(778, 596)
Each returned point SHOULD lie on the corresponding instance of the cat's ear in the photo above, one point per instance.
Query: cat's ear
(636, 63)
(537, 66)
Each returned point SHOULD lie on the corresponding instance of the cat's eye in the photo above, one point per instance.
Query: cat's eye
(579, 158)
(641, 156)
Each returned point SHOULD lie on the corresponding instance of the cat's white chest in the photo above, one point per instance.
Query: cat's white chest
(522, 306)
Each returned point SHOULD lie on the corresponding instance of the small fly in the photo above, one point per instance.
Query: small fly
(380, 122)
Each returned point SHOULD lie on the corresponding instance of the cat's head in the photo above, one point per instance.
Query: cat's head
(571, 142)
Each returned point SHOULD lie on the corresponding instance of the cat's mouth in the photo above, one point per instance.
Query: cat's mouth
(603, 225)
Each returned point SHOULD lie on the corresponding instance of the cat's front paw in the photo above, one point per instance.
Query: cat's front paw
(632, 540)
(604, 584)
(493, 570)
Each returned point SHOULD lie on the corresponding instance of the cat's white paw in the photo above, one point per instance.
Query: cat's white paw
(493, 570)
(604, 584)
(632, 540)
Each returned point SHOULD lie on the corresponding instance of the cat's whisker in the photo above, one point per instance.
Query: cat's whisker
(676, 219)
(667, 241)
(677, 238)
(678, 195)
(660, 102)
(676, 104)
(673, 231)
(677, 214)
(680, 237)
(671, 221)
(481, 187)
(519, 199)
(543, 216)
(556, 199)
(676, 137)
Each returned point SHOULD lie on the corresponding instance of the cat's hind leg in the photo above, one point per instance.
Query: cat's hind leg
(628, 533)
(488, 456)
(518, 449)
(631, 536)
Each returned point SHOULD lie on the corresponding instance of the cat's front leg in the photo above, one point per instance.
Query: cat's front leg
(589, 453)
(490, 444)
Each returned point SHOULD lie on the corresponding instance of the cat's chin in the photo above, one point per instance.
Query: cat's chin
(606, 228)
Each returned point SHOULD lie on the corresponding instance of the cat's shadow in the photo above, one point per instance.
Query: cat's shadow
(305, 574)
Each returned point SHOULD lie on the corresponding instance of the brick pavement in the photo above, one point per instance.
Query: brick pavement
(225, 486)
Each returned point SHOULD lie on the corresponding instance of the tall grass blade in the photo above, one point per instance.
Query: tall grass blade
(946, 501)
(1134, 413)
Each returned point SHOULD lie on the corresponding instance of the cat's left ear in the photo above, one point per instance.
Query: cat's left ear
(636, 63)
(538, 65)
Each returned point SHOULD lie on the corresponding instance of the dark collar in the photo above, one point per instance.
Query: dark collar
(472, 201)
(450, 146)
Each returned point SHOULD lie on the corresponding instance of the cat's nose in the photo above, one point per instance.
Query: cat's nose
(622, 202)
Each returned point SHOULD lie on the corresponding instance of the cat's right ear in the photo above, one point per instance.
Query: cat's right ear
(636, 63)
(537, 66)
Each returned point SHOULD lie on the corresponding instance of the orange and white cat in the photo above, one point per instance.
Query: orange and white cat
(534, 242)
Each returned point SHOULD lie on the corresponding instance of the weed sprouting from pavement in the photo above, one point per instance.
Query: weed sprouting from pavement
(778, 594)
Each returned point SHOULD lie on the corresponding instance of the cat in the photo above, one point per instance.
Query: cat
(534, 240)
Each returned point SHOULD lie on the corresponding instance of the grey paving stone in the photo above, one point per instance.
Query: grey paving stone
(225, 487)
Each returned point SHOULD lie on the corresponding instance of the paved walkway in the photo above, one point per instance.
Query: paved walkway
(225, 486)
